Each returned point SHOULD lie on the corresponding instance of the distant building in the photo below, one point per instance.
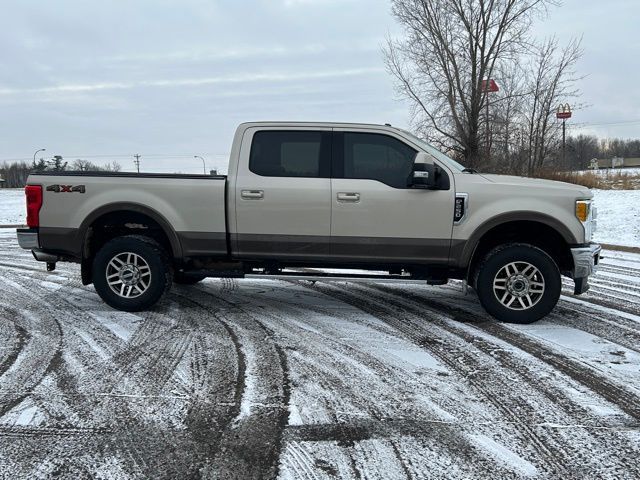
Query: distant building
(618, 162)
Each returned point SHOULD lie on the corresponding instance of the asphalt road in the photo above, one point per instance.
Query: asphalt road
(267, 379)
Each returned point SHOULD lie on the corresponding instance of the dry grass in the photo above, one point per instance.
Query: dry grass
(618, 180)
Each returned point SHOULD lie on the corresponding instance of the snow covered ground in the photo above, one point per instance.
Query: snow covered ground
(618, 217)
(614, 171)
(12, 206)
(294, 380)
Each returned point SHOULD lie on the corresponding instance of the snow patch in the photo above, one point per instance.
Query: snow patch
(618, 217)
(13, 210)
(504, 455)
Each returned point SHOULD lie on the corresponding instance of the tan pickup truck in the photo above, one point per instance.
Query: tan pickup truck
(303, 197)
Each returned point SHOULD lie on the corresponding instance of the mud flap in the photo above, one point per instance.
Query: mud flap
(86, 267)
(581, 285)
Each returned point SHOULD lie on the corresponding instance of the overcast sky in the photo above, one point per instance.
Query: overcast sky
(172, 79)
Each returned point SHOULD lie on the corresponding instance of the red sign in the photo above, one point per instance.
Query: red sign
(564, 111)
(492, 87)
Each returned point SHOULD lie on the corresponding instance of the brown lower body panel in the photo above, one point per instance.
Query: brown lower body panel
(299, 248)
(343, 249)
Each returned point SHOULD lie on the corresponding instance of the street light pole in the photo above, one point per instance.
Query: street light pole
(204, 165)
(36, 152)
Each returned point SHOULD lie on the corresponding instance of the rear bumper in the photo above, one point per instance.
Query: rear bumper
(585, 263)
(28, 238)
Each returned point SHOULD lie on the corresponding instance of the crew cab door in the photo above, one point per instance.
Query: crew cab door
(283, 194)
(376, 217)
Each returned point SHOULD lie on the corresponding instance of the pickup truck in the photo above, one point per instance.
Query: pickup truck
(311, 200)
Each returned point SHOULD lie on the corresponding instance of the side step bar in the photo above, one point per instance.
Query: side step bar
(334, 277)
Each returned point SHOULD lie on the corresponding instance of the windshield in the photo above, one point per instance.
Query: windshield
(435, 152)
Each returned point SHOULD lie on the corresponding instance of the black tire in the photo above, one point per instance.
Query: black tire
(530, 299)
(182, 278)
(149, 256)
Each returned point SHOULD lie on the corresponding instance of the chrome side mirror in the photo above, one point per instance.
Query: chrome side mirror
(424, 172)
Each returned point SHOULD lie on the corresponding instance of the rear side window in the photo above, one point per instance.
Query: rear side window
(291, 154)
(377, 157)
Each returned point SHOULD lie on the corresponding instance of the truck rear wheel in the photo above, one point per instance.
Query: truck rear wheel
(518, 283)
(132, 273)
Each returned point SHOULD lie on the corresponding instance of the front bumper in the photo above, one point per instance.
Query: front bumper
(585, 263)
(28, 238)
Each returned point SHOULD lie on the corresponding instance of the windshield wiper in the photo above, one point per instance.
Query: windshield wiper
(470, 170)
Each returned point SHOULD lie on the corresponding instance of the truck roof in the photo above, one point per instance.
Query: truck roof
(316, 124)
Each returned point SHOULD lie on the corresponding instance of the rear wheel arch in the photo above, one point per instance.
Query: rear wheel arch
(122, 219)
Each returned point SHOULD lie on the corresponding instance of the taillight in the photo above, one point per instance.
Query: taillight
(34, 203)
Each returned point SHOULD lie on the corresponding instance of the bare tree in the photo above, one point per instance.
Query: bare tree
(552, 81)
(112, 167)
(506, 118)
(451, 46)
(82, 165)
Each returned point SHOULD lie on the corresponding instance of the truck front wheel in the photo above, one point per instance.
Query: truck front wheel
(518, 283)
(132, 273)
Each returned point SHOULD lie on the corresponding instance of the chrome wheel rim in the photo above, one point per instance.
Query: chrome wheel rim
(128, 275)
(518, 286)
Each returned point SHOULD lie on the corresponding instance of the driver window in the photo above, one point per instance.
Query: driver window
(378, 157)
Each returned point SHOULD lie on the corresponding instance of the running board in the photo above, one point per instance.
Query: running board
(334, 277)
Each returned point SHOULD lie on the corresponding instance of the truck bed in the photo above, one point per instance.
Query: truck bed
(192, 206)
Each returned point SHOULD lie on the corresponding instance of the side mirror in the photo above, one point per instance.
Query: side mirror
(424, 172)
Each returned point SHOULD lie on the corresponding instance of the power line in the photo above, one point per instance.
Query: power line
(602, 124)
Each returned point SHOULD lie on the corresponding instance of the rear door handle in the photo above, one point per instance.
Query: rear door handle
(348, 197)
(252, 194)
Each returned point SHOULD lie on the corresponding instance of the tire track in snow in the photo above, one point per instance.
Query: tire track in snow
(371, 400)
(461, 362)
(252, 442)
(20, 338)
(555, 396)
(590, 378)
(33, 363)
(329, 375)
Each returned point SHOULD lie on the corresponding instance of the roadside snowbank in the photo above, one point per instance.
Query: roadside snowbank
(618, 217)
(12, 206)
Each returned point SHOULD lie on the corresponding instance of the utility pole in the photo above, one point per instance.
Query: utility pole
(137, 161)
(564, 112)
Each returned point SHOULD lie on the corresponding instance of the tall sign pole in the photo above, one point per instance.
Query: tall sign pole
(489, 86)
(563, 113)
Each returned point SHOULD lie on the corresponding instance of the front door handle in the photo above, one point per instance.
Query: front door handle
(348, 197)
(252, 194)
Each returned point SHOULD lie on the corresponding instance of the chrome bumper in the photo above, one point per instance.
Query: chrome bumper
(27, 238)
(585, 260)
(585, 263)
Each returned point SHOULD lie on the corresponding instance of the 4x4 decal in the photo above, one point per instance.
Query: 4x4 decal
(66, 188)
